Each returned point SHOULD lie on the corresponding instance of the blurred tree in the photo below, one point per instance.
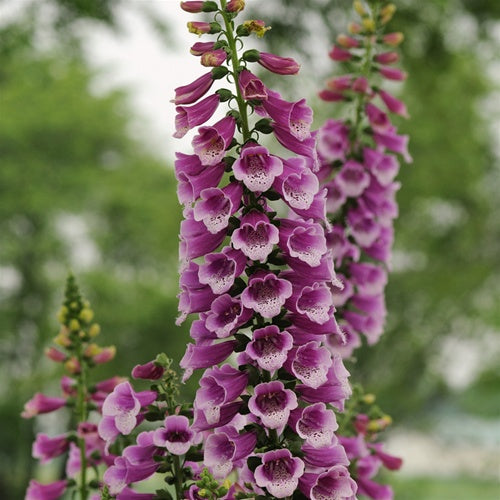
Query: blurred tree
(447, 245)
(76, 190)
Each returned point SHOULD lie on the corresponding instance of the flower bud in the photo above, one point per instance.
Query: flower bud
(86, 315)
(387, 12)
(106, 354)
(219, 72)
(369, 399)
(368, 24)
(192, 7)
(55, 355)
(347, 41)
(94, 330)
(92, 350)
(74, 325)
(252, 55)
(387, 57)
(62, 338)
(72, 366)
(61, 314)
(359, 7)
(214, 58)
(256, 26)
(201, 28)
(354, 28)
(393, 39)
(235, 6)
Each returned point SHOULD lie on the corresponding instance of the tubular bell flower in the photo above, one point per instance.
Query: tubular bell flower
(211, 142)
(51, 491)
(191, 116)
(277, 64)
(187, 94)
(40, 403)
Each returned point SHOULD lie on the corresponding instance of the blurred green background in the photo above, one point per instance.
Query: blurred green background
(78, 188)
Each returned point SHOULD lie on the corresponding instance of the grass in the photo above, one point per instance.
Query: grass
(462, 488)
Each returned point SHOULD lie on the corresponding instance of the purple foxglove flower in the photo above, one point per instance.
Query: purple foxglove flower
(334, 484)
(294, 117)
(381, 247)
(199, 27)
(226, 449)
(221, 269)
(266, 294)
(305, 148)
(339, 84)
(148, 371)
(389, 461)
(269, 347)
(193, 177)
(272, 403)
(219, 386)
(195, 239)
(256, 168)
(393, 105)
(392, 73)
(361, 85)
(40, 403)
(317, 210)
(279, 473)
(387, 57)
(374, 490)
(251, 87)
(371, 326)
(363, 226)
(217, 205)
(302, 322)
(211, 142)
(130, 494)
(51, 491)
(340, 246)
(394, 142)
(226, 315)
(194, 296)
(335, 391)
(176, 435)
(338, 54)
(256, 236)
(310, 364)
(199, 48)
(373, 305)
(227, 414)
(303, 240)
(297, 184)
(277, 64)
(213, 58)
(107, 430)
(326, 456)
(124, 404)
(55, 355)
(122, 473)
(379, 121)
(352, 179)
(330, 96)
(315, 302)
(315, 424)
(109, 384)
(189, 117)
(333, 141)
(322, 272)
(383, 167)
(343, 345)
(342, 292)
(46, 448)
(194, 7)
(368, 278)
(381, 200)
(203, 356)
(190, 93)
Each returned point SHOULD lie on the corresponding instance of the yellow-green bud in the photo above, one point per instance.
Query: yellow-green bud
(369, 399)
(86, 315)
(387, 12)
(94, 330)
(359, 7)
(74, 325)
(61, 314)
(368, 24)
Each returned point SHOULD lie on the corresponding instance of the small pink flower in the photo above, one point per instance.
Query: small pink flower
(51, 491)
(278, 65)
(46, 448)
(194, 7)
(211, 142)
(392, 73)
(338, 54)
(40, 403)
(190, 93)
(213, 58)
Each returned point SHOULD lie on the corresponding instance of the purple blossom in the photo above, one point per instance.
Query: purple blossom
(148, 371)
(278, 65)
(251, 87)
(219, 386)
(221, 269)
(211, 142)
(46, 448)
(194, 177)
(256, 236)
(352, 179)
(266, 294)
(310, 364)
(269, 347)
(217, 205)
(315, 424)
(190, 93)
(176, 435)
(256, 168)
(297, 184)
(51, 491)
(40, 403)
(334, 484)
(272, 403)
(383, 167)
(314, 301)
(279, 473)
(226, 448)
(226, 315)
(124, 404)
(191, 116)
(333, 141)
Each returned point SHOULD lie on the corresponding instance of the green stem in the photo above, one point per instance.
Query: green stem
(178, 477)
(231, 40)
(82, 414)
